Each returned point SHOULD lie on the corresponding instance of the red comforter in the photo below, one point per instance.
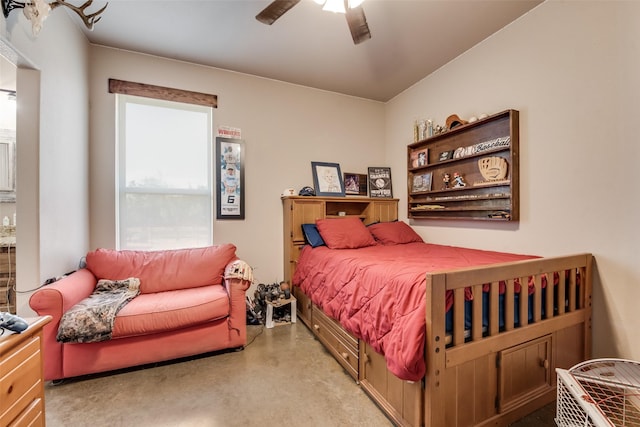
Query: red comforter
(378, 293)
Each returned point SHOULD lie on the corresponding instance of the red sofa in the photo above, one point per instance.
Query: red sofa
(191, 301)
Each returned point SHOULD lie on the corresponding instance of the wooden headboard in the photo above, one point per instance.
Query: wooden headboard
(298, 210)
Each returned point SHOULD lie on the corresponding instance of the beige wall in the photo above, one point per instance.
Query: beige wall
(572, 70)
(284, 126)
(52, 148)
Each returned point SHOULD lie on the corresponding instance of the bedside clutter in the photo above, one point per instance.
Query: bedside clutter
(190, 301)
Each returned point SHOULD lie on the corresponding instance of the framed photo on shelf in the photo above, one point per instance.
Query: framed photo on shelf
(421, 182)
(419, 158)
(446, 155)
(355, 184)
(230, 178)
(380, 183)
(327, 179)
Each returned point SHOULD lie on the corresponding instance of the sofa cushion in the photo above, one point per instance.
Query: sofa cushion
(171, 310)
(165, 270)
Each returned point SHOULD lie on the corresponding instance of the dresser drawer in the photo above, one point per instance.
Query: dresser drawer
(18, 354)
(342, 345)
(20, 380)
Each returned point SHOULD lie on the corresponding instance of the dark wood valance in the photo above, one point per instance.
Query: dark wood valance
(164, 93)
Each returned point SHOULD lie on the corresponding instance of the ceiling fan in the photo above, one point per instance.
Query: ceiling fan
(354, 13)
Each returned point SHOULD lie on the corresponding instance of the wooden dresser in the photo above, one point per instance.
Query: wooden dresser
(21, 376)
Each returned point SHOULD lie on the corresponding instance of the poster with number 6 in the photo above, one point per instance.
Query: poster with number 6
(230, 178)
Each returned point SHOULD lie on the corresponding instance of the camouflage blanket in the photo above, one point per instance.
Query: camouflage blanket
(92, 319)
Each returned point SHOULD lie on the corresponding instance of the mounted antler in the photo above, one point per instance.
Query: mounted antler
(89, 20)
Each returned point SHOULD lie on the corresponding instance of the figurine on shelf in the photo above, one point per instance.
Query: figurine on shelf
(458, 181)
(422, 129)
(446, 180)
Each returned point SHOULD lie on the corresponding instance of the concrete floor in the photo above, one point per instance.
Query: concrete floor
(282, 378)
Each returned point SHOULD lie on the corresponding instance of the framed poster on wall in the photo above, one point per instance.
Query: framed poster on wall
(230, 178)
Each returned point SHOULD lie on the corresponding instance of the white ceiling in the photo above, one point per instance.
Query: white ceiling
(308, 46)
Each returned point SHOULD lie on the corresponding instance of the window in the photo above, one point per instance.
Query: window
(164, 172)
(7, 165)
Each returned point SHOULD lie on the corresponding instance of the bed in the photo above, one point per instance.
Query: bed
(458, 337)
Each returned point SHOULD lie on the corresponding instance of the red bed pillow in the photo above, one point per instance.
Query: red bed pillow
(394, 233)
(344, 233)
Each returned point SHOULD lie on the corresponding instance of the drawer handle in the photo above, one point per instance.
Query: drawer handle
(544, 364)
(366, 358)
(345, 355)
(10, 389)
(316, 327)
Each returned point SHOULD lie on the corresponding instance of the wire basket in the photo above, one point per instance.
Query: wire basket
(600, 393)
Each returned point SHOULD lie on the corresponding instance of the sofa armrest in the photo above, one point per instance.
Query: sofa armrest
(238, 276)
(54, 300)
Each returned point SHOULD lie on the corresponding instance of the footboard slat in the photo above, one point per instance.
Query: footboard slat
(476, 325)
(572, 292)
(561, 289)
(494, 300)
(524, 303)
(458, 316)
(509, 306)
(549, 301)
(537, 299)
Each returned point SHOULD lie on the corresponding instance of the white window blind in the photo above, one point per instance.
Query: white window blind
(164, 172)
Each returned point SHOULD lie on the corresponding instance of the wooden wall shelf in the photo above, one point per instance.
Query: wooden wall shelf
(485, 154)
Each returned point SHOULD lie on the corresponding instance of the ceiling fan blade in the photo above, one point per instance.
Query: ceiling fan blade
(358, 24)
(275, 10)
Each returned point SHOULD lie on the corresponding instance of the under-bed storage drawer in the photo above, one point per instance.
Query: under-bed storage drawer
(342, 345)
(303, 306)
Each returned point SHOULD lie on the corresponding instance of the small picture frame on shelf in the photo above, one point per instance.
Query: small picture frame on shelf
(421, 182)
(380, 182)
(327, 179)
(419, 158)
(446, 155)
(355, 184)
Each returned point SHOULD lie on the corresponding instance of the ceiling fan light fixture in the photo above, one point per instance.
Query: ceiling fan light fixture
(356, 20)
(336, 6)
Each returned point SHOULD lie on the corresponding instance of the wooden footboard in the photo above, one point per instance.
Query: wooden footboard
(494, 374)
